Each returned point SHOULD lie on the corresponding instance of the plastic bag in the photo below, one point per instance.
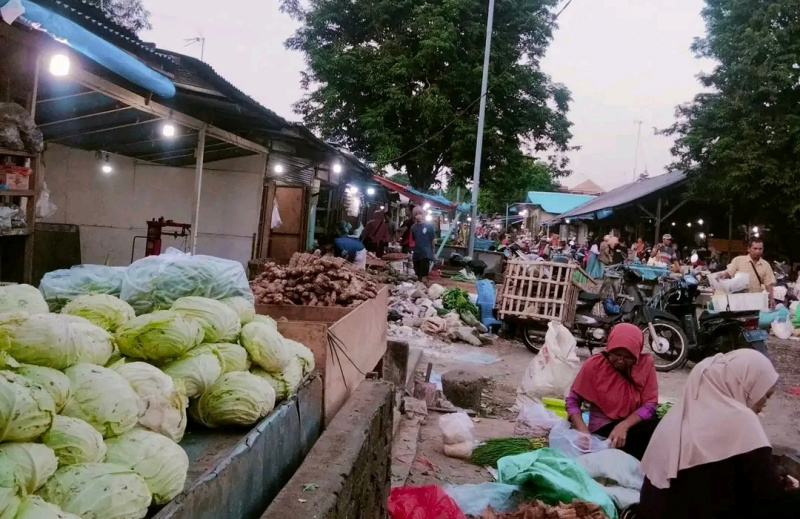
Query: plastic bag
(549, 476)
(44, 205)
(59, 287)
(155, 282)
(782, 329)
(553, 370)
(573, 443)
(535, 421)
(618, 472)
(428, 502)
(276, 216)
(456, 428)
(475, 499)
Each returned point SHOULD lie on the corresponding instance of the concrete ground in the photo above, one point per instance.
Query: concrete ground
(504, 364)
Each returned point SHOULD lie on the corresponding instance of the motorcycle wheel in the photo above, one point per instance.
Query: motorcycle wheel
(533, 338)
(678, 352)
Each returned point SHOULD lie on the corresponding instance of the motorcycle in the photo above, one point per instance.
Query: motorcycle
(710, 333)
(596, 315)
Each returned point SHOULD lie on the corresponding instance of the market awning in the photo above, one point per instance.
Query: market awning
(52, 17)
(625, 195)
(415, 196)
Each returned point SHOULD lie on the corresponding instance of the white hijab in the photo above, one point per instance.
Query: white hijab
(714, 420)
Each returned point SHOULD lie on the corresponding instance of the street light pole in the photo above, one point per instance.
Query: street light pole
(476, 176)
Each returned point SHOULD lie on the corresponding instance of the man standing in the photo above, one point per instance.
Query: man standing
(760, 271)
(424, 236)
(665, 252)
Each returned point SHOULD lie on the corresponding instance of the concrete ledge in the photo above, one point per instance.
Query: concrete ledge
(347, 474)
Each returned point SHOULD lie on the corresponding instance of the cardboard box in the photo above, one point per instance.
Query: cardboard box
(741, 302)
(14, 181)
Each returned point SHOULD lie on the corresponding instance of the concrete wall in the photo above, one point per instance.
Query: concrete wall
(350, 463)
(113, 208)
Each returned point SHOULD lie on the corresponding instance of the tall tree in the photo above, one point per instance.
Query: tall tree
(130, 14)
(512, 185)
(398, 82)
(741, 140)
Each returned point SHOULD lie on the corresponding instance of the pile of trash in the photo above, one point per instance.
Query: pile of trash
(413, 306)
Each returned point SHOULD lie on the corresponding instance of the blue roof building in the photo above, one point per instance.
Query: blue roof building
(556, 203)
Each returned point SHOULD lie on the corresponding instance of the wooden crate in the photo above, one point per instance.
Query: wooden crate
(542, 290)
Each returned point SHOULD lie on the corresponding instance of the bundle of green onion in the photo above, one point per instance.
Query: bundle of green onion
(490, 451)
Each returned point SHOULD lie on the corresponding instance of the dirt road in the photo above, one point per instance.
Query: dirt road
(504, 364)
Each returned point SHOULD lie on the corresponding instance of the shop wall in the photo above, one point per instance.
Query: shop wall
(111, 209)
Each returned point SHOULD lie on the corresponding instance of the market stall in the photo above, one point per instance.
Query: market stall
(333, 309)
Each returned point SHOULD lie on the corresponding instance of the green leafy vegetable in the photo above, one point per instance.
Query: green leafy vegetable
(26, 410)
(26, 465)
(236, 398)
(102, 398)
(219, 321)
(159, 337)
(106, 311)
(74, 441)
(458, 300)
(25, 298)
(51, 380)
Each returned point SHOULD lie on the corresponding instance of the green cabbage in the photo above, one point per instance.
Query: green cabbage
(34, 507)
(219, 321)
(158, 337)
(26, 465)
(25, 298)
(266, 346)
(305, 355)
(243, 308)
(102, 398)
(106, 311)
(9, 502)
(55, 341)
(197, 370)
(264, 319)
(26, 410)
(98, 491)
(162, 401)
(234, 357)
(51, 380)
(286, 382)
(74, 441)
(160, 461)
(236, 398)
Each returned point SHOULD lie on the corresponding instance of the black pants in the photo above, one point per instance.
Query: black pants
(638, 436)
(422, 267)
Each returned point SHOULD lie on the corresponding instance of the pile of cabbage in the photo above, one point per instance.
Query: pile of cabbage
(94, 399)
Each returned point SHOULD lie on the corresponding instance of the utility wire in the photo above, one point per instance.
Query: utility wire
(463, 111)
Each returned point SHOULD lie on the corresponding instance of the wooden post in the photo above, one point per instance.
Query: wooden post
(658, 222)
(198, 185)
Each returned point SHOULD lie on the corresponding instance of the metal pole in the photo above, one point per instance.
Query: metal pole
(198, 185)
(476, 177)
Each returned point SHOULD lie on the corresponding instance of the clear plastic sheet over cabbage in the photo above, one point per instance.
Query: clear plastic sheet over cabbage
(156, 282)
(62, 286)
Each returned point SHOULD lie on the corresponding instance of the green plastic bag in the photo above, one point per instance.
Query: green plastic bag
(551, 477)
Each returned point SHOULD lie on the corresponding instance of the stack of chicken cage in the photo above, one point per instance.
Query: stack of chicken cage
(543, 290)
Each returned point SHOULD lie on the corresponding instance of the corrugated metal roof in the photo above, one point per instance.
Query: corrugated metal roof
(627, 194)
(557, 203)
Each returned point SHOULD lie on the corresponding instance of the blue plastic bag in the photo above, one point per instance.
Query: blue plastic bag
(475, 499)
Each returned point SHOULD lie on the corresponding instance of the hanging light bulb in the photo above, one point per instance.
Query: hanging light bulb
(428, 217)
(370, 191)
(59, 65)
(278, 169)
(168, 130)
(106, 167)
(337, 168)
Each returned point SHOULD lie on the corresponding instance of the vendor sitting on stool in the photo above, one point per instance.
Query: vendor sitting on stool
(621, 387)
(346, 247)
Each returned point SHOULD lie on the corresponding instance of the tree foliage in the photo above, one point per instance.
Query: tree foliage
(512, 186)
(398, 82)
(741, 139)
(130, 14)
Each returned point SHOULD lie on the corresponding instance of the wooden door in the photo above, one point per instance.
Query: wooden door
(290, 236)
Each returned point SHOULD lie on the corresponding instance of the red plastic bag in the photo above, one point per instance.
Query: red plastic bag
(428, 502)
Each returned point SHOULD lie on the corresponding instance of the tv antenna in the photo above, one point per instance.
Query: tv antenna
(199, 39)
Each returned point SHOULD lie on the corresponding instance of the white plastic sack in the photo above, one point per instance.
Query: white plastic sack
(573, 443)
(552, 371)
(156, 282)
(44, 205)
(782, 329)
(457, 428)
(535, 421)
(59, 287)
(739, 282)
(618, 472)
(276, 216)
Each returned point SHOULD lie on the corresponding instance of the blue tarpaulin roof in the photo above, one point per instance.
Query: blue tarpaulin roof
(557, 203)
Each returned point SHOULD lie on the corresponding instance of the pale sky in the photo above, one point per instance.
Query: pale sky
(623, 60)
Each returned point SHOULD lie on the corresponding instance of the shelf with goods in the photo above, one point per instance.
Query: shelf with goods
(16, 243)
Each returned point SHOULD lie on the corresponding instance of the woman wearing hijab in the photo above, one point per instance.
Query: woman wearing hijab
(710, 457)
(621, 387)
(376, 234)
